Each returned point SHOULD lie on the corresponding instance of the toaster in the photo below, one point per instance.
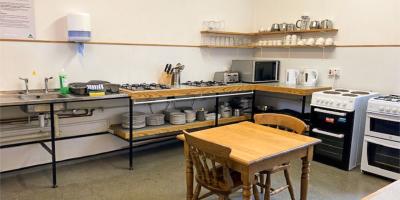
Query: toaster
(227, 77)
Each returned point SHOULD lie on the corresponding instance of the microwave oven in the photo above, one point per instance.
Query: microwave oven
(257, 71)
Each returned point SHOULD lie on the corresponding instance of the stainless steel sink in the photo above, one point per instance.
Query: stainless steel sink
(41, 96)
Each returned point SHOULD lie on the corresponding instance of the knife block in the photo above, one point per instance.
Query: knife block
(166, 79)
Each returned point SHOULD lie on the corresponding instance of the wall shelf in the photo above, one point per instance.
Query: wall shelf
(234, 47)
(298, 46)
(168, 128)
(270, 33)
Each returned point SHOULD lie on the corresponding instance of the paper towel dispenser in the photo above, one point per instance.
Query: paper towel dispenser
(79, 29)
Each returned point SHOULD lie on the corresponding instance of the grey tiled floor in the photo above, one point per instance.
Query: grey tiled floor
(159, 174)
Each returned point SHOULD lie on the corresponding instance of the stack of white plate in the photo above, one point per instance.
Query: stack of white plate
(168, 113)
(138, 118)
(190, 115)
(155, 119)
(177, 118)
(211, 116)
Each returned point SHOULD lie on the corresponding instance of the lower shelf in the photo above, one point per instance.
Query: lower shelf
(168, 128)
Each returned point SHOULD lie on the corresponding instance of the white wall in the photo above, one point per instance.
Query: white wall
(133, 21)
(359, 22)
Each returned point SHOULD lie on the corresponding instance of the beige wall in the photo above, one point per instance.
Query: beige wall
(359, 22)
(134, 21)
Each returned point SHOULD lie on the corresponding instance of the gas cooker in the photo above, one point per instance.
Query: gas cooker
(389, 105)
(204, 83)
(145, 86)
(340, 99)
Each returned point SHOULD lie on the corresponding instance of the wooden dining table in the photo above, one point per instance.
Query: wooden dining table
(255, 148)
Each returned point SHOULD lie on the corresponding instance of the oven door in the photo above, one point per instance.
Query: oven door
(335, 129)
(381, 157)
(383, 126)
(266, 71)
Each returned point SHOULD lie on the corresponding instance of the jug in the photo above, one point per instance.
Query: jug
(303, 23)
(310, 77)
(292, 76)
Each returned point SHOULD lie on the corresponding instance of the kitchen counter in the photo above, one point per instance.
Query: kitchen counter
(12, 99)
(185, 90)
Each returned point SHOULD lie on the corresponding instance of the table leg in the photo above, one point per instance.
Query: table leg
(305, 171)
(189, 173)
(246, 193)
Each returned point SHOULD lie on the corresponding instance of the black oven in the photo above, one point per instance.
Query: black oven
(335, 129)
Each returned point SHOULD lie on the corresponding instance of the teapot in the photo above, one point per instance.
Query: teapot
(303, 23)
(310, 77)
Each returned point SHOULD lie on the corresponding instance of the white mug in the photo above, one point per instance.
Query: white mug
(278, 42)
(300, 43)
(270, 43)
(320, 41)
(329, 41)
(310, 41)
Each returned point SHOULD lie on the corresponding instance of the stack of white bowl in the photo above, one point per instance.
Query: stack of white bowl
(155, 119)
(190, 115)
(138, 118)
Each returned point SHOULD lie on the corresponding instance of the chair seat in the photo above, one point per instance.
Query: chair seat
(276, 168)
(236, 178)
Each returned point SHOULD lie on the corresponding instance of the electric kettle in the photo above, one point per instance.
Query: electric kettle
(292, 76)
(310, 77)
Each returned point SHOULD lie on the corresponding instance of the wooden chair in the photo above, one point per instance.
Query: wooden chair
(212, 167)
(287, 123)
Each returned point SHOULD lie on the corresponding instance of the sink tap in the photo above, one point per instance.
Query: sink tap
(46, 84)
(26, 84)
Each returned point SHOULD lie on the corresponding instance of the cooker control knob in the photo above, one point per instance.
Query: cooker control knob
(318, 101)
(387, 109)
(395, 110)
(381, 108)
(337, 104)
(344, 105)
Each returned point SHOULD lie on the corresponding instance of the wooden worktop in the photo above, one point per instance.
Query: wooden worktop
(184, 90)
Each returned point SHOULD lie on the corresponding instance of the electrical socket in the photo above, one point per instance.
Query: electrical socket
(334, 72)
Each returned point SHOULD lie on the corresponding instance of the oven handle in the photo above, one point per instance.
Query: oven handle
(327, 133)
(330, 112)
(379, 116)
(380, 143)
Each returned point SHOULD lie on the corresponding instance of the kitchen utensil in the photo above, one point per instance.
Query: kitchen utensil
(226, 77)
(211, 116)
(290, 27)
(177, 118)
(310, 41)
(303, 23)
(225, 110)
(78, 88)
(166, 75)
(275, 27)
(112, 88)
(314, 25)
(176, 75)
(237, 112)
(292, 76)
(155, 119)
(264, 108)
(326, 24)
(329, 41)
(190, 115)
(282, 27)
(138, 118)
(320, 41)
(310, 77)
(201, 114)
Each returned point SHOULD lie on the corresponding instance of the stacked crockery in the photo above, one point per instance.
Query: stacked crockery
(190, 115)
(168, 113)
(155, 119)
(177, 118)
(138, 118)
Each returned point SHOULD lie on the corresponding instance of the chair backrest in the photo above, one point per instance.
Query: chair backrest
(280, 121)
(211, 163)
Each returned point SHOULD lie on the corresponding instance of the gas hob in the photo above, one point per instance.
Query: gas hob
(340, 99)
(204, 83)
(389, 105)
(145, 86)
